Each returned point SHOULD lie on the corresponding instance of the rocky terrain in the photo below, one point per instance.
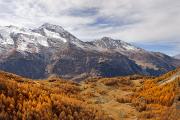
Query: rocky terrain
(51, 50)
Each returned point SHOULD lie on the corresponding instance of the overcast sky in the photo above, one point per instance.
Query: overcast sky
(151, 24)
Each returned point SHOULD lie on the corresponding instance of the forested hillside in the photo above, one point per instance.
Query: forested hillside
(129, 97)
(30, 100)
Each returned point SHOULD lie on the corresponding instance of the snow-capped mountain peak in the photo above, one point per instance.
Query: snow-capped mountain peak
(55, 31)
(34, 41)
(51, 27)
(109, 43)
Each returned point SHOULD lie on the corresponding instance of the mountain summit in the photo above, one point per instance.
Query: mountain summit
(49, 49)
(109, 43)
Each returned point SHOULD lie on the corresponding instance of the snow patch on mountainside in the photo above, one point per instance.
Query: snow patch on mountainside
(43, 41)
(22, 47)
(22, 39)
(54, 35)
(129, 47)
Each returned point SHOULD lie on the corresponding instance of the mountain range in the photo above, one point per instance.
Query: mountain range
(51, 50)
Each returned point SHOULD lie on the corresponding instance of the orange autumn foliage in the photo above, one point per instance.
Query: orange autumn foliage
(21, 99)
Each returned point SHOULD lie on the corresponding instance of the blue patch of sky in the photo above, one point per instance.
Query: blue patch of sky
(111, 22)
(158, 47)
(83, 12)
